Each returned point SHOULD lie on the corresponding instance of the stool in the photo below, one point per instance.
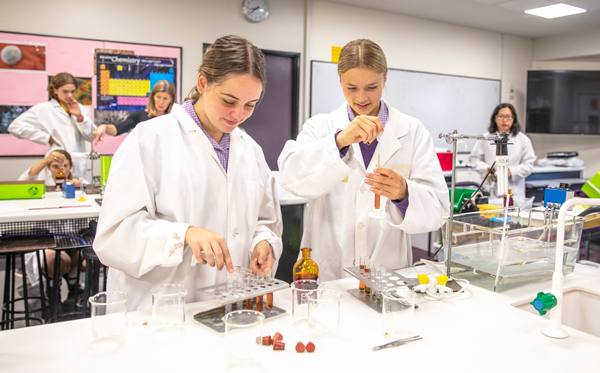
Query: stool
(14, 247)
(92, 277)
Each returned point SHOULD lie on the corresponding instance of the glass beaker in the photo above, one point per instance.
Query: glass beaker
(299, 302)
(398, 312)
(168, 311)
(324, 315)
(243, 329)
(109, 319)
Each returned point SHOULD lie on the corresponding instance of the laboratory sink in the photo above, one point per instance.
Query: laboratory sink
(580, 310)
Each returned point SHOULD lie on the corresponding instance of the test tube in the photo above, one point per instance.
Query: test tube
(361, 285)
(269, 276)
(259, 303)
(367, 275)
(377, 196)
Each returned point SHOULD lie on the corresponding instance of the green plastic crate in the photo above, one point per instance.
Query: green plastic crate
(459, 194)
(29, 189)
(591, 188)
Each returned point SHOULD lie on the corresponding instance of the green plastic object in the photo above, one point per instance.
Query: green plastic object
(459, 194)
(22, 189)
(544, 302)
(591, 188)
(104, 168)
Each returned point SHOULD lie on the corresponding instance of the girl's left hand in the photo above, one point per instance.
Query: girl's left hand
(388, 183)
(262, 258)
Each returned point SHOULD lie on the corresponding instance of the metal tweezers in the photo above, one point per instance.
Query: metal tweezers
(399, 342)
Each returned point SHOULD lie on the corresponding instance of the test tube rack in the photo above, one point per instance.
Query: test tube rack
(377, 285)
(238, 300)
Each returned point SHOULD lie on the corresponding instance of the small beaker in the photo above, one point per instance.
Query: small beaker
(243, 333)
(168, 311)
(324, 315)
(398, 312)
(109, 319)
(299, 302)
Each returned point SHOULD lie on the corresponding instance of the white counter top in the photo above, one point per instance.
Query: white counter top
(52, 207)
(481, 332)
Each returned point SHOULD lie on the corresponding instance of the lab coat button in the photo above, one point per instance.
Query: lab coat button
(361, 225)
(363, 188)
(234, 233)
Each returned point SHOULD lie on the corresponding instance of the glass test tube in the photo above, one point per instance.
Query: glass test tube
(367, 275)
(270, 281)
(361, 285)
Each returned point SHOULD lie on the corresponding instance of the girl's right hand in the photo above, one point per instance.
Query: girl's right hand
(99, 133)
(212, 244)
(54, 157)
(363, 128)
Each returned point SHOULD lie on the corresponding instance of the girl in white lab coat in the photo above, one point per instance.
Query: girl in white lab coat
(47, 168)
(333, 162)
(520, 152)
(190, 184)
(62, 122)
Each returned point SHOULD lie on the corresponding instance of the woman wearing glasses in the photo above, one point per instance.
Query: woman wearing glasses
(520, 152)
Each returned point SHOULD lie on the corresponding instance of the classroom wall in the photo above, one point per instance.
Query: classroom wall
(183, 23)
(576, 51)
(314, 26)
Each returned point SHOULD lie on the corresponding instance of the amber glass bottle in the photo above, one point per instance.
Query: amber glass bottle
(60, 178)
(306, 268)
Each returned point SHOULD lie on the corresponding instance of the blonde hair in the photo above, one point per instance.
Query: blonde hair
(58, 81)
(231, 55)
(161, 86)
(362, 53)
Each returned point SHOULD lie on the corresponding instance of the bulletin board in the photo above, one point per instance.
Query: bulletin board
(115, 77)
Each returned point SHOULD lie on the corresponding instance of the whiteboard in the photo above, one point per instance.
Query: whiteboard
(442, 103)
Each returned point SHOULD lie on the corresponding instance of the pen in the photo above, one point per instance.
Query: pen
(57, 207)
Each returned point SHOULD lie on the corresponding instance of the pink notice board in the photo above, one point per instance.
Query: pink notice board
(76, 56)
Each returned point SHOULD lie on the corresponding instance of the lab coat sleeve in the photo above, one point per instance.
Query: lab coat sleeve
(427, 191)
(525, 167)
(311, 165)
(28, 125)
(25, 175)
(270, 226)
(477, 157)
(130, 238)
(86, 126)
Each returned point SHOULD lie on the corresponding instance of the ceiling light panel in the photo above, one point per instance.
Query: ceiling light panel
(555, 11)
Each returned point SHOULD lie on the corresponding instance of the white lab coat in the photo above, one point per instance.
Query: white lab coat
(338, 227)
(520, 162)
(165, 177)
(50, 119)
(44, 174)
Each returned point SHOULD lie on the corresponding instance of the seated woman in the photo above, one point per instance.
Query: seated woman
(47, 168)
(160, 102)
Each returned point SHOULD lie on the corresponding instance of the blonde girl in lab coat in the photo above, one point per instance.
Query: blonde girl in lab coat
(62, 122)
(191, 183)
(333, 162)
(520, 152)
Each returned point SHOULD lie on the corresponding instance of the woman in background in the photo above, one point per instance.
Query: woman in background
(62, 122)
(520, 152)
(160, 102)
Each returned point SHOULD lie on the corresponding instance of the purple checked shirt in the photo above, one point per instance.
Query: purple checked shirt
(367, 151)
(222, 148)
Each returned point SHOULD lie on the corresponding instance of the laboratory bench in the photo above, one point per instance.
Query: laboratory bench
(479, 332)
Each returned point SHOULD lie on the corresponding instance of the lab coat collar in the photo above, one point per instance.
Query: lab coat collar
(236, 145)
(55, 104)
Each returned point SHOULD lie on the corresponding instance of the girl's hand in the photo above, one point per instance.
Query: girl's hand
(74, 109)
(262, 258)
(55, 157)
(388, 183)
(212, 244)
(363, 128)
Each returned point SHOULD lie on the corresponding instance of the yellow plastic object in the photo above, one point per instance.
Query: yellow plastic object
(442, 279)
(490, 208)
(423, 279)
